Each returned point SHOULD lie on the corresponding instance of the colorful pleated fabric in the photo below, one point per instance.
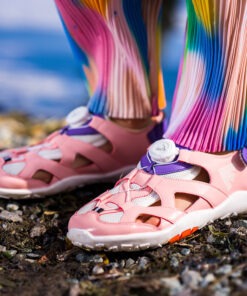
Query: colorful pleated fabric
(210, 102)
(118, 43)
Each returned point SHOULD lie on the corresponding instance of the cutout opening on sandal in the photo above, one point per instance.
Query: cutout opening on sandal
(43, 176)
(149, 219)
(80, 161)
(184, 200)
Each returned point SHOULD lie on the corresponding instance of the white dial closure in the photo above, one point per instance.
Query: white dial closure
(163, 151)
(77, 116)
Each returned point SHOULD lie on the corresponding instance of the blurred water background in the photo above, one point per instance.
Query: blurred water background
(39, 74)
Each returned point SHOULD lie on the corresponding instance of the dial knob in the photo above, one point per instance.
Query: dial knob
(163, 151)
(77, 116)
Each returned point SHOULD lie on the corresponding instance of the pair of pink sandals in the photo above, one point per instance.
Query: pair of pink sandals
(118, 219)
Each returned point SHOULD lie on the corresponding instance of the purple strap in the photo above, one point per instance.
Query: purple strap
(151, 167)
(243, 154)
(85, 129)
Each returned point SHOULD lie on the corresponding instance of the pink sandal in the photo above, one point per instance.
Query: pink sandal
(112, 221)
(56, 156)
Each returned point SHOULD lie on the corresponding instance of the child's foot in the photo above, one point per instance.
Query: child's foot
(90, 149)
(172, 193)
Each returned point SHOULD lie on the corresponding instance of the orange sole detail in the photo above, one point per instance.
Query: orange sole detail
(184, 234)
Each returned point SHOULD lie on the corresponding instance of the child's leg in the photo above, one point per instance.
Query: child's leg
(210, 103)
(119, 44)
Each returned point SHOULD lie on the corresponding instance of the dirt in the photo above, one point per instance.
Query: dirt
(37, 259)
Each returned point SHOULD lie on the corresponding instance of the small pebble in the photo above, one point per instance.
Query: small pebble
(143, 262)
(20, 257)
(80, 257)
(10, 253)
(240, 223)
(191, 278)
(33, 256)
(30, 260)
(174, 262)
(97, 270)
(84, 258)
(185, 251)
(4, 226)
(228, 223)
(173, 284)
(97, 259)
(239, 283)
(18, 212)
(225, 269)
(2, 249)
(75, 289)
(211, 239)
(12, 207)
(235, 254)
(222, 291)
(208, 279)
(10, 216)
(37, 231)
(122, 263)
(236, 274)
(129, 263)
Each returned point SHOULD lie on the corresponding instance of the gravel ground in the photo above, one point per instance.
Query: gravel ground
(37, 259)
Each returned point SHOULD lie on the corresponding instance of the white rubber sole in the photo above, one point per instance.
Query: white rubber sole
(64, 185)
(233, 205)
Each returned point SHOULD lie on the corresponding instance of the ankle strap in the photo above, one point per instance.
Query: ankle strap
(243, 154)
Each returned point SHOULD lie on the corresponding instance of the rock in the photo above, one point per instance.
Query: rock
(174, 262)
(122, 263)
(191, 278)
(236, 274)
(37, 231)
(4, 226)
(228, 222)
(2, 249)
(10, 253)
(239, 284)
(20, 257)
(33, 256)
(225, 269)
(80, 257)
(84, 258)
(30, 260)
(97, 259)
(97, 270)
(10, 216)
(208, 279)
(129, 263)
(185, 251)
(235, 254)
(18, 212)
(12, 207)
(221, 291)
(173, 284)
(143, 262)
(74, 290)
(211, 239)
(240, 223)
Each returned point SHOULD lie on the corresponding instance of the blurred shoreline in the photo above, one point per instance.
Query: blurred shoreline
(18, 129)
